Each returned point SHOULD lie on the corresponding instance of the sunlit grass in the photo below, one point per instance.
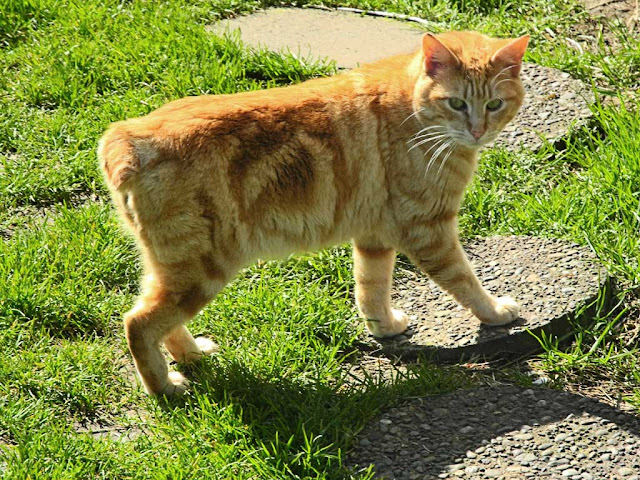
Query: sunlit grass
(276, 402)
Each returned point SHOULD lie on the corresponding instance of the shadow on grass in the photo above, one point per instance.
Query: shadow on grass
(303, 427)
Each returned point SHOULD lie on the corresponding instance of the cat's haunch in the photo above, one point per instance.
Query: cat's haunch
(380, 156)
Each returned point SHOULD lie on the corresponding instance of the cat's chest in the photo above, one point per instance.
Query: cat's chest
(432, 172)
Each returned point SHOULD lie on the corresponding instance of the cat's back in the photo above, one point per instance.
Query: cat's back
(228, 112)
(182, 128)
(259, 120)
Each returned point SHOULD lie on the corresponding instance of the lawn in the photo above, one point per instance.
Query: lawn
(278, 401)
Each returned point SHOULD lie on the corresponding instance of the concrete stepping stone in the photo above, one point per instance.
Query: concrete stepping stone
(501, 432)
(347, 38)
(551, 279)
(555, 102)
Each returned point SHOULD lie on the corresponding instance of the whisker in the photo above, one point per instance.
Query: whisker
(441, 149)
(427, 129)
(503, 80)
(425, 141)
(434, 145)
(412, 115)
(431, 136)
(501, 72)
(431, 160)
(451, 149)
(435, 154)
(424, 134)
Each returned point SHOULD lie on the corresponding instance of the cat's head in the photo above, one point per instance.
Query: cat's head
(469, 85)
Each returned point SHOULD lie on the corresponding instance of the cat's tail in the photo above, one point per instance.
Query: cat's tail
(118, 157)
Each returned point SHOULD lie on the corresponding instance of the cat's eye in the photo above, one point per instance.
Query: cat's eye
(457, 104)
(494, 104)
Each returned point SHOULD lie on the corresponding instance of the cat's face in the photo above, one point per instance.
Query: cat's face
(470, 86)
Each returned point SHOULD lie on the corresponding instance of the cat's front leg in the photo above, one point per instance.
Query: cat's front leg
(444, 260)
(373, 272)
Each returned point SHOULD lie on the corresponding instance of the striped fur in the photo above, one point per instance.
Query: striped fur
(378, 156)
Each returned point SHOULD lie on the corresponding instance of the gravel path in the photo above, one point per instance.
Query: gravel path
(503, 433)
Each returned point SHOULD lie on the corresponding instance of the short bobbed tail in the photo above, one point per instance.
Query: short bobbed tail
(118, 158)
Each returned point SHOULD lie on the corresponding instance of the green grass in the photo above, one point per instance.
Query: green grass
(277, 402)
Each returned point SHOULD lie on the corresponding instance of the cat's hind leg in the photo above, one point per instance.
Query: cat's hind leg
(373, 272)
(159, 316)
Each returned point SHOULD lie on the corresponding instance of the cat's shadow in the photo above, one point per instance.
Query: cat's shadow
(277, 410)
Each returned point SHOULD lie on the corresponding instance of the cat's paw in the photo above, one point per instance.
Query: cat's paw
(176, 385)
(505, 310)
(390, 327)
(207, 346)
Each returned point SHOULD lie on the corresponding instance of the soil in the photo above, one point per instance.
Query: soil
(624, 10)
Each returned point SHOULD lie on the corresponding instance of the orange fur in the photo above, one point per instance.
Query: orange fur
(378, 155)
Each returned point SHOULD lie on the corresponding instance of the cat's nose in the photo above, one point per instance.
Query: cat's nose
(478, 133)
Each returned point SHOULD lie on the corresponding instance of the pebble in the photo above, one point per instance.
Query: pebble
(526, 457)
(570, 472)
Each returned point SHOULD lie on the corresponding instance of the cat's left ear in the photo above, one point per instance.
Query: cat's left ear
(510, 56)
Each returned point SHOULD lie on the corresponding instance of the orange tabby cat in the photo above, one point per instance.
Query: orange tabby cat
(380, 155)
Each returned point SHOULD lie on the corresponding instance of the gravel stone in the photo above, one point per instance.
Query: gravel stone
(450, 333)
(501, 455)
(569, 472)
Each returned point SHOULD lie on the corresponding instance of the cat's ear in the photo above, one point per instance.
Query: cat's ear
(437, 56)
(510, 56)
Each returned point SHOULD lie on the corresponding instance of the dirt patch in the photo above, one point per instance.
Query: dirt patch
(624, 10)
(381, 370)
(104, 429)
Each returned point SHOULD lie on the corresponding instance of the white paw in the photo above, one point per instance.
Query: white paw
(207, 346)
(177, 384)
(390, 327)
(505, 310)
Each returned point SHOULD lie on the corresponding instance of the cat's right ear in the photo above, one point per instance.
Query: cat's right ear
(437, 56)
